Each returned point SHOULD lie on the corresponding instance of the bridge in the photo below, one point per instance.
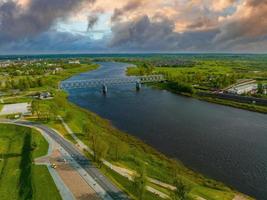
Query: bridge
(89, 83)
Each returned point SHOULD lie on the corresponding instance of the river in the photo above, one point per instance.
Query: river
(224, 143)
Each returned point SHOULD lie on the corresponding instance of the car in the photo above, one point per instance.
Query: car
(54, 166)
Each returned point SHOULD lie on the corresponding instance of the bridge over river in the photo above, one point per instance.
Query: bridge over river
(138, 80)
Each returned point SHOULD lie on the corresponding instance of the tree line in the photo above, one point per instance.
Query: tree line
(22, 83)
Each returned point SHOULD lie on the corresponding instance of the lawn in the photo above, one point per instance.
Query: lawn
(19, 178)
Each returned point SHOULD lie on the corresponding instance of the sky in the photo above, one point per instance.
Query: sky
(119, 26)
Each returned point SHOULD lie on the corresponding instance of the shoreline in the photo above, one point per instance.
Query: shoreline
(151, 150)
(224, 102)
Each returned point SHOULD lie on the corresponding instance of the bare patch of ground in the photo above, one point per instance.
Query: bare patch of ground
(239, 197)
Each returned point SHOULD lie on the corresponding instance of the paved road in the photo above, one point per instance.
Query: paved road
(84, 162)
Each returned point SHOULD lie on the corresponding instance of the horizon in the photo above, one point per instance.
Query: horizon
(134, 53)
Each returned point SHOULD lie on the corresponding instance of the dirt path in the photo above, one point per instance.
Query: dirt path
(239, 197)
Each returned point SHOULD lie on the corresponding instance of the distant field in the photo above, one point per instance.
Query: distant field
(19, 178)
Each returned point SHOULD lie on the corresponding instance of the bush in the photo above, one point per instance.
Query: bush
(181, 87)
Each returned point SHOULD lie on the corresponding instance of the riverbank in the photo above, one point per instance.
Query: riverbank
(234, 104)
(186, 89)
(134, 153)
(126, 151)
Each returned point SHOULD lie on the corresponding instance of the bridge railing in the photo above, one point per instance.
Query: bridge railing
(109, 81)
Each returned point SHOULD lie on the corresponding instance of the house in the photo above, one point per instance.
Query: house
(45, 95)
(243, 88)
(74, 62)
(57, 70)
(265, 89)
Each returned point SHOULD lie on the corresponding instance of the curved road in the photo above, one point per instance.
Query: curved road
(83, 161)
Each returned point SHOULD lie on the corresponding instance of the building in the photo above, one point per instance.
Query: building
(243, 88)
(45, 95)
(265, 89)
(5, 64)
(74, 62)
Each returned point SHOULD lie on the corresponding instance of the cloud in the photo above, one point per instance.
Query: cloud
(23, 19)
(158, 35)
(130, 6)
(220, 5)
(54, 41)
(132, 25)
(249, 21)
(92, 20)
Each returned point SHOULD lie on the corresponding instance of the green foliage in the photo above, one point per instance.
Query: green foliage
(19, 178)
(69, 116)
(260, 88)
(181, 190)
(140, 183)
(180, 87)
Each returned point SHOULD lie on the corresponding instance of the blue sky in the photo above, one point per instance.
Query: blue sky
(38, 26)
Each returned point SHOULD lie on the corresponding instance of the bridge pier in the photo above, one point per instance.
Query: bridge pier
(104, 89)
(138, 85)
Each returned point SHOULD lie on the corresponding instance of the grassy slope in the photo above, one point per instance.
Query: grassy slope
(19, 178)
(158, 166)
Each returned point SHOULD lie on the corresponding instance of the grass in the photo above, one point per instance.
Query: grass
(158, 166)
(211, 194)
(127, 186)
(19, 178)
(44, 185)
(209, 75)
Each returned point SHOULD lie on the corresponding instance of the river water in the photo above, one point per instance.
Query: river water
(224, 143)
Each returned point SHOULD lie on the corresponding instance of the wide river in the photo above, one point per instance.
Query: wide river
(224, 143)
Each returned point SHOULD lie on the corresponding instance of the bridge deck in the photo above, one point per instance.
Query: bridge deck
(109, 81)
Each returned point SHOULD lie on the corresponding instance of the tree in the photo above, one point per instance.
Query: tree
(53, 110)
(87, 130)
(140, 182)
(61, 101)
(180, 192)
(69, 116)
(119, 149)
(99, 147)
(100, 150)
(36, 108)
(260, 88)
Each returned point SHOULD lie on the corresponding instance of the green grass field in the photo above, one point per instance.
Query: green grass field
(19, 177)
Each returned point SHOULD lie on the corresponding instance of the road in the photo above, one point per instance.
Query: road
(83, 161)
